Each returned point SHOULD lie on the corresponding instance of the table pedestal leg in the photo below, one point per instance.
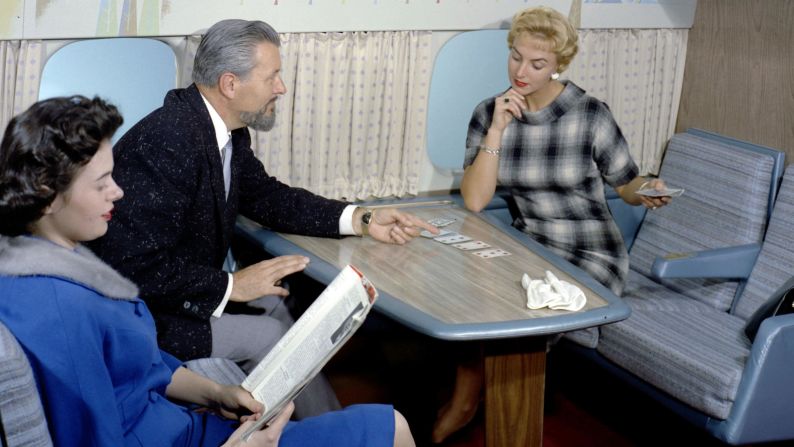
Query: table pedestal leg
(515, 375)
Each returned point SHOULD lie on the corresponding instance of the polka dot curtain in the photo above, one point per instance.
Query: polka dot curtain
(639, 74)
(352, 123)
(20, 74)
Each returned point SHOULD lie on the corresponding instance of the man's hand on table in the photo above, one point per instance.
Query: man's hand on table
(392, 226)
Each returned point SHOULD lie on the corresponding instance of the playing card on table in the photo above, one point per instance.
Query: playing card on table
(439, 222)
(491, 253)
(426, 233)
(471, 245)
(452, 238)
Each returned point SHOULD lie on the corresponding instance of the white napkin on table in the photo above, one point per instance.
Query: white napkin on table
(552, 293)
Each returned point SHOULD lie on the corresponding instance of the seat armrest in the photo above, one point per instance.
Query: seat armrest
(765, 398)
(727, 262)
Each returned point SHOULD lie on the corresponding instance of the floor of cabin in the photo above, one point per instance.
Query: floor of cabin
(378, 366)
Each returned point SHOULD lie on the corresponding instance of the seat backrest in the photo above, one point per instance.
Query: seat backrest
(775, 263)
(470, 67)
(20, 407)
(725, 204)
(778, 157)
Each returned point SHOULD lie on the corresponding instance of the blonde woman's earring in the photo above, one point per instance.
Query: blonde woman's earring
(555, 76)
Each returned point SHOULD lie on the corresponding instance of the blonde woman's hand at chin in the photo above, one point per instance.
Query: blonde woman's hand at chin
(506, 107)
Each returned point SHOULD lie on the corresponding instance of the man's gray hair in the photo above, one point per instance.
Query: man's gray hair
(229, 46)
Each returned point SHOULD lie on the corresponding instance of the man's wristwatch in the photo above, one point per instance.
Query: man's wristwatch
(366, 218)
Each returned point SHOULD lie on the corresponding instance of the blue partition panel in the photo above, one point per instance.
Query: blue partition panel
(469, 67)
(132, 73)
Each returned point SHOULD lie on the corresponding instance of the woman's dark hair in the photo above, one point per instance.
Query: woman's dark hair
(42, 149)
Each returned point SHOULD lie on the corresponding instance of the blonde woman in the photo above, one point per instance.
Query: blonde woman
(554, 147)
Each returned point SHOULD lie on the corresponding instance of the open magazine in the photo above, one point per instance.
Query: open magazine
(308, 345)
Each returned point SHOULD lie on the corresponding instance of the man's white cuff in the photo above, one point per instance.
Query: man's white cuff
(222, 306)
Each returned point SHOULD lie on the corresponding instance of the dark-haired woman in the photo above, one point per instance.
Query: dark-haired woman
(90, 340)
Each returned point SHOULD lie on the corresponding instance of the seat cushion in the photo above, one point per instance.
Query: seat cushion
(20, 407)
(638, 286)
(716, 177)
(683, 347)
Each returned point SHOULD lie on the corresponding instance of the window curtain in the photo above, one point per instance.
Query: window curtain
(352, 124)
(20, 74)
(185, 53)
(639, 74)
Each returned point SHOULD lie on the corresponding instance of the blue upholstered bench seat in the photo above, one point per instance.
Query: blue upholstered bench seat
(700, 355)
(20, 408)
(725, 204)
(684, 347)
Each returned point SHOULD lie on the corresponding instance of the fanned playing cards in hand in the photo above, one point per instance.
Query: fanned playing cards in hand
(667, 192)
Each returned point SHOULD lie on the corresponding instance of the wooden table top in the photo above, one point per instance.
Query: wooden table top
(450, 293)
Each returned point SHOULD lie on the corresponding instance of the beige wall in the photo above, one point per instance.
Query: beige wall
(739, 76)
(67, 19)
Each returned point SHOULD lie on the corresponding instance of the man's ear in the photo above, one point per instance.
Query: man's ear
(227, 84)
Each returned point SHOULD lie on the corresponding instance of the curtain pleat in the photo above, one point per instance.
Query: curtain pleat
(352, 123)
(20, 75)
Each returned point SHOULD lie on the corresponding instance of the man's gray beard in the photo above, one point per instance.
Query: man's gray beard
(260, 121)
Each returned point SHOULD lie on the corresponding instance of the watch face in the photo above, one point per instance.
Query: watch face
(366, 217)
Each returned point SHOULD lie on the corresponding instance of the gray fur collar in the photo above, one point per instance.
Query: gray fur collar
(32, 256)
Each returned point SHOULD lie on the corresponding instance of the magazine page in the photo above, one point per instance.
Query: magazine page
(308, 345)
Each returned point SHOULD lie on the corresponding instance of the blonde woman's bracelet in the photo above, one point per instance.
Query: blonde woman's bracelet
(490, 151)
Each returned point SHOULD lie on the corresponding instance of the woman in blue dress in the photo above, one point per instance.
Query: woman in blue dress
(90, 340)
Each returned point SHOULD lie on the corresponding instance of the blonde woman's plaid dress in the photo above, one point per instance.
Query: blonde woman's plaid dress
(554, 162)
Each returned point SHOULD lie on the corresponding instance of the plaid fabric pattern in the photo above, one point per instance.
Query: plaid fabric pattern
(555, 162)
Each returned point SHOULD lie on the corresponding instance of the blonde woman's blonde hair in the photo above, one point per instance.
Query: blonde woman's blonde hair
(550, 26)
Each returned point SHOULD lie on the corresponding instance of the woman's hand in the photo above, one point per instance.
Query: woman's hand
(479, 180)
(263, 438)
(506, 107)
(233, 401)
(628, 192)
(654, 202)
